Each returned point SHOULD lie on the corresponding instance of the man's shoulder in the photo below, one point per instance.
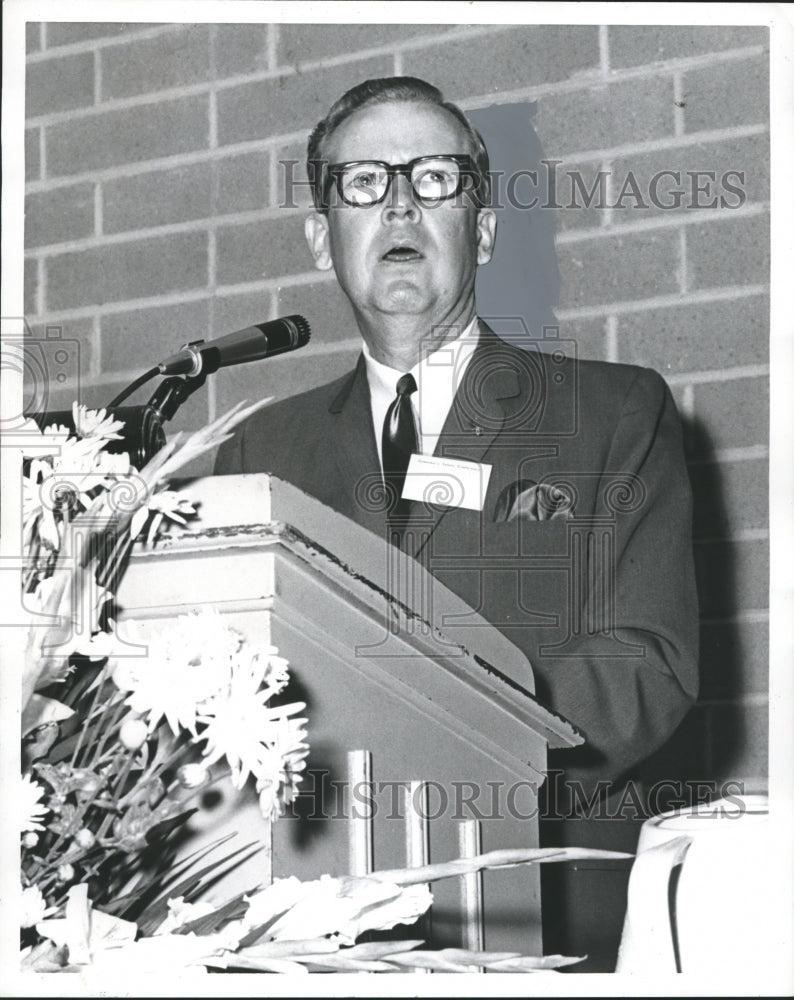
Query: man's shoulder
(311, 401)
(615, 374)
(586, 374)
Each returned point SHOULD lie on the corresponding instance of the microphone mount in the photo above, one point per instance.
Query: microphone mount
(190, 365)
(187, 371)
(172, 392)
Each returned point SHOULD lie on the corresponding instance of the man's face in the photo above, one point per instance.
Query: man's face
(402, 257)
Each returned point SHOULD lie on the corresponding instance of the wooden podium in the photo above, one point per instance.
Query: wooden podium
(423, 745)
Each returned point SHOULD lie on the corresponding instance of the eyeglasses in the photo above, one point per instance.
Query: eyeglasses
(433, 178)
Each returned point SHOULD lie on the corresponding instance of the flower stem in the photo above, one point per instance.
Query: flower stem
(78, 745)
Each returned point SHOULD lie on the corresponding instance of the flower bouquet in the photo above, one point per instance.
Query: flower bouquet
(123, 730)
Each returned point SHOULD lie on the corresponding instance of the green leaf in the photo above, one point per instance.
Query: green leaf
(190, 888)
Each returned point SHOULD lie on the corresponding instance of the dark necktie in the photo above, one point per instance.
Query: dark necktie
(399, 442)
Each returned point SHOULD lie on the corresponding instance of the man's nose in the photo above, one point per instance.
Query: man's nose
(400, 203)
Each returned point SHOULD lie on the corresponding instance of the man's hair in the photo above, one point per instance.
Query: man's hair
(383, 91)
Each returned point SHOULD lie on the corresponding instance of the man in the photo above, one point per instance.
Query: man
(570, 529)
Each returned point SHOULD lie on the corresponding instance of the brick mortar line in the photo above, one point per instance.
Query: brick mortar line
(41, 286)
(719, 375)
(662, 145)
(287, 138)
(88, 111)
(645, 71)
(309, 278)
(94, 365)
(97, 79)
(99, 211)
(212, 116)
(227, 82)
(163, 162)
(683, 270)
(607, 217)
(212, 263)
(744, 700)
(207, 224)
(718, 294)
(728, 456)
(673, 220)
(42, 156)
(603, 50)
(91, 44)
(296, 280)
(684, 63)
(740, 535)
(751, 616)
(611, 338)
(132, 169)
(126, 375)
(272, 179)
(736, 538)
(272, 46)
(679, 121)
(416, 43)
(586, 79)
(122, 306)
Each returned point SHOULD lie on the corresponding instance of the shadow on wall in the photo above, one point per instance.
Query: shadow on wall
(517, 294)
(695, 754)
(523, 280)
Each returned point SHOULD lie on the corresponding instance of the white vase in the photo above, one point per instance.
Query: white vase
(712, 910)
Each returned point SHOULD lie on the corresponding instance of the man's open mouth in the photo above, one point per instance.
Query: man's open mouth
(402, 255)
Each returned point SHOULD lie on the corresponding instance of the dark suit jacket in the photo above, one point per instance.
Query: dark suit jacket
(603, 601)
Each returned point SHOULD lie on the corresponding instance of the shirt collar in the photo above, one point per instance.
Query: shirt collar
(437, 375)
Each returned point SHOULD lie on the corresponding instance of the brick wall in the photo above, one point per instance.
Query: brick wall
(153, 167)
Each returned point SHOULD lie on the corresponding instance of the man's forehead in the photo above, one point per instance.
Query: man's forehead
(397, 131)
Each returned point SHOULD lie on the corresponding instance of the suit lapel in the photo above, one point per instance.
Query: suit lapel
(490, 392)
(494, 388)
(352, 441)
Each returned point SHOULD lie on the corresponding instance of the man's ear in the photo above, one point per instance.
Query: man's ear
(486, 234)
(316, 229)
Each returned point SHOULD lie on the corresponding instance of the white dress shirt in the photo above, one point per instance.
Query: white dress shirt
(437, 379)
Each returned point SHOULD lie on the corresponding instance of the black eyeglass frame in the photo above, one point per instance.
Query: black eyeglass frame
(334, 172)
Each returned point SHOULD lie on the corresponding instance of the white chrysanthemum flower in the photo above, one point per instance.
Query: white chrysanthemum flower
(279, 787)
(64, 470)
(32, 810)
(184, 666)
(165, 504)
(277, 673)
(95, 423)
(239, 724)
(33, 906)
(38, 443)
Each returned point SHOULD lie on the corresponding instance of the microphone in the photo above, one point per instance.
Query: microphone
(263, 340)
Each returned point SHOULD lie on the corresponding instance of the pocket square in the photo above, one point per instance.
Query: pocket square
(532, 501)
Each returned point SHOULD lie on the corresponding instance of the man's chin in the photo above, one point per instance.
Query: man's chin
(404, 296)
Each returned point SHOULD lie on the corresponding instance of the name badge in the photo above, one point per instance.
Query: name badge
(446, 482)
